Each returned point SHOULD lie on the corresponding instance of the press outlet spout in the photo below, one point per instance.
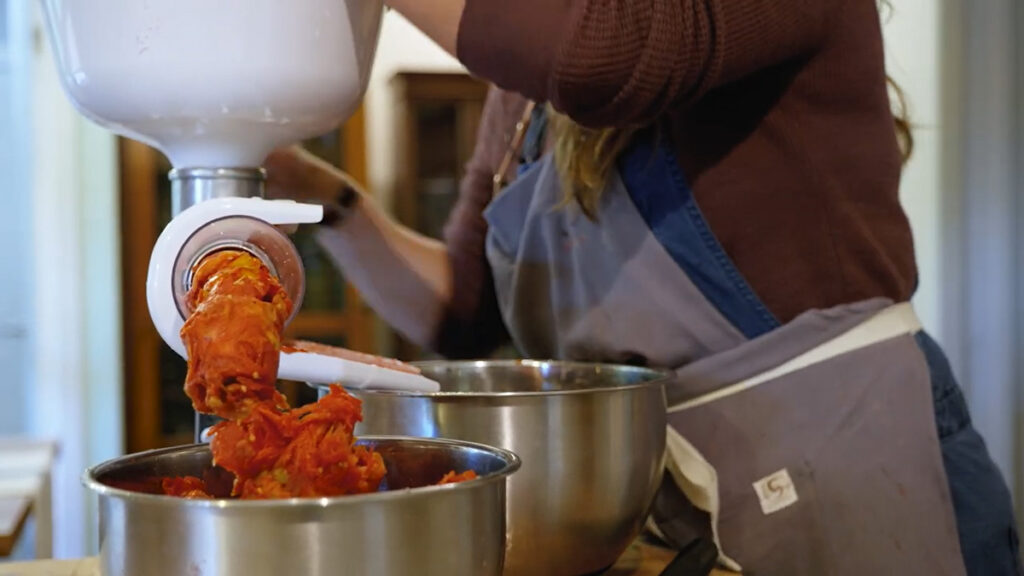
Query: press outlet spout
(190, 186)
(230, 232)
(245, 233)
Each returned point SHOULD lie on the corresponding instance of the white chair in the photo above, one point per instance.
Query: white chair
(25, 489)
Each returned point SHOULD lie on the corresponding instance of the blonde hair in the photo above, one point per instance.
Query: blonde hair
(585, 157)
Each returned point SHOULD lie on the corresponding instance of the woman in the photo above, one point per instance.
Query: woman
(711, 186)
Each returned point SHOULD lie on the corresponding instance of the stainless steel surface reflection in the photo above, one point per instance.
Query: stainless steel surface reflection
(190, 186)
(591, 438)
(412, 529)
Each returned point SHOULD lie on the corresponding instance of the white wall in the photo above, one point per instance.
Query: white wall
(15, 220)
(989, 214)
(913, 30)
(402, 48)
(60, 344)
(76, 390)
(958, 63)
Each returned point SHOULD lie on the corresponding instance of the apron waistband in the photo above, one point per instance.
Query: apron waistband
(892, 322)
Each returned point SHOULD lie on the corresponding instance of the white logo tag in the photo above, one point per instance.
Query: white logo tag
(776, 492)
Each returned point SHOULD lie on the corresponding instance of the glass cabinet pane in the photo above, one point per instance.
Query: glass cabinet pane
(439, 166)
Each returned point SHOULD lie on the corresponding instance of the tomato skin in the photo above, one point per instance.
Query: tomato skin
(305, 452)
(233, 341)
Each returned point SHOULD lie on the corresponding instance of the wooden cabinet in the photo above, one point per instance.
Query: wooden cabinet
(437, 119)
(157, 412)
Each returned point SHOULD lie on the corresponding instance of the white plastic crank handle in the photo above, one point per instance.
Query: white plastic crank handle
(322, 369)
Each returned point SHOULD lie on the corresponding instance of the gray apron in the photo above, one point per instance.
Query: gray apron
(805, 449)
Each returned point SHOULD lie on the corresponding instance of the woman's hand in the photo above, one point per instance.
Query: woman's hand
(403, 275)
(296, 174)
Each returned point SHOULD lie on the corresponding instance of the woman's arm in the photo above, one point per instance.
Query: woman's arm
(439, 295)
(615, 62)
(403, 275)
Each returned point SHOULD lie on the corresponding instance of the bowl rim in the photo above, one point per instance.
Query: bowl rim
(659, 377)
(90, 479)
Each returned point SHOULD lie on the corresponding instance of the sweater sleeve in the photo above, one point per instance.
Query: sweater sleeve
(616, 62)
(472, 324)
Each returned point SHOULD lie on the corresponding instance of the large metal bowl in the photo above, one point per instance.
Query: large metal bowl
(591, 438)
(413, 528)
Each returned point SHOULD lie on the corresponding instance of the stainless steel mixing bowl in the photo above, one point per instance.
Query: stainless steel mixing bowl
(414, 528)
(591, 438)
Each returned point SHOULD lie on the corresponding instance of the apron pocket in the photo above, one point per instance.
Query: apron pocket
(834, 469)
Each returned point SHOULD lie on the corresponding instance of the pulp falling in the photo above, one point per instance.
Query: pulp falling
(233, 339)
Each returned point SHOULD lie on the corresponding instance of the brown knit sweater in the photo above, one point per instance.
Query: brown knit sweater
(780, 116)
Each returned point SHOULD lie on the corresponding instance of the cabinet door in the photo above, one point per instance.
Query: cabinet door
(157, 411)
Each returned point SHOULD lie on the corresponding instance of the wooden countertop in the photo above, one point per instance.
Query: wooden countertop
(642, 559)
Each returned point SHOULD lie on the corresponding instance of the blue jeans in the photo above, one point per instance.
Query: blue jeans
(981, 500)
